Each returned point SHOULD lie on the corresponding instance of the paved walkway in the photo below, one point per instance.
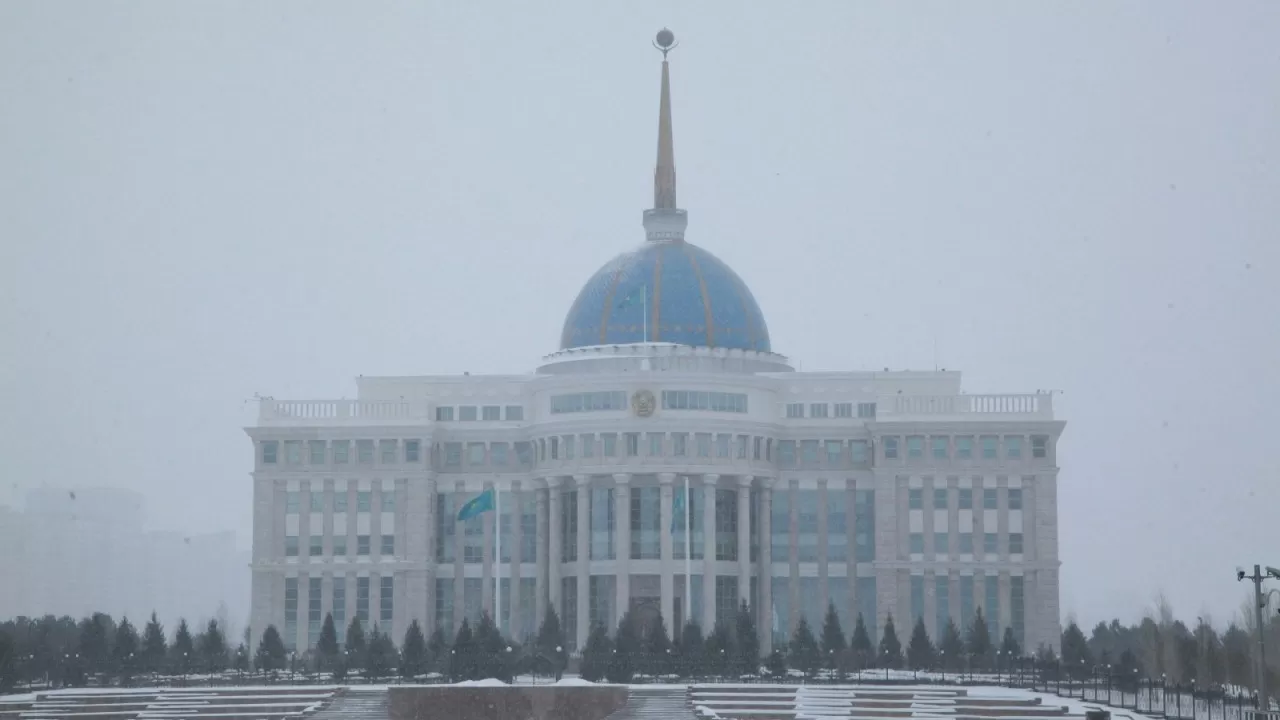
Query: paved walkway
(355, 704)
(655, 704)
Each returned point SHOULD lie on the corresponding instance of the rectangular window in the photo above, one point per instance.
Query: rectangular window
(646, 523)
(386, 598)
(817, 410)
(475, 454)
(444, 414)
(891, 448)
(362, 600)
(603, 523)
(679, 444)
(704, 444)
(388, 499)
(588, 446)
(467, 413)
(472, 543)
(938, 444)
(601, 599)
(412, 451)
(864, 525)
(867, 410)
(1015, 498)
(786, 453)
(655, 444)
(340, 500)
(966, 499)
(269, 450)
(835, 450)
(529, 528)
(989, 447)
(364, 451)
(498, 454)
(939, 498)
(807, 539)
(942, 601)
(362, 545)
(610, 441)
(291, 546)
(341, 452)
(726, 597)
(589, 402)
(387, 451)
(858, 452)
(315, 548)
(915, 498)
(388, 545)
(992, 610)
(795, 410)
(1039, 446)
(917, 543)
(722, 446)
(837, 529)
(316, 451)
(340, 607)
(917, 597)
(780, 529)
(865, 588)
(524, 453)
(290, 612)
(340, 545)
(742, 447)
(809, 453)
(966, 604)
(990, 499)
(1017, 609)
(1013, 446)
(568, 611)
(757, 442)
(966, 543)
(844, 410)
(568, 446)
(990, 543)
(1015, 543)
(364, 501)
(444, 605)
(633, 444)
(491, 413)
(781, 597)
(941, 543)
(292, 502)
(446, 518)
(964, 448)
(555, 448)
(514, 413)
(293, 452)
(727, 525)
(915, 446)
(313, 611)
(703, 400)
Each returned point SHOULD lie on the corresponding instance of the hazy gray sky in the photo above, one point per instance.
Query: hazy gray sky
(199, 201)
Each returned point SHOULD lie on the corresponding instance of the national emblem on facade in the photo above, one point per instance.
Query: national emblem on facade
(643, 403)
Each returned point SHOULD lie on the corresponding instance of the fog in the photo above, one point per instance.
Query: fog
(203, 201)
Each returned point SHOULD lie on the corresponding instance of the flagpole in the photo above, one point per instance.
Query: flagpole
(497, 559)
(688, 564)
(644, 303)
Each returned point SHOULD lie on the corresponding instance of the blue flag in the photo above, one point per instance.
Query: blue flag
(634, 296)
(677, 511)
(477, 505)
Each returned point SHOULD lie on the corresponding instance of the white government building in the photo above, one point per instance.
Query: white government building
(881, 492)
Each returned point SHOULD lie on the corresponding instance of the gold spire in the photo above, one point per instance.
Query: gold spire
(664, 175)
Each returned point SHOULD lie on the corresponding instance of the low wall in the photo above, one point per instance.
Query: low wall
(532, 702)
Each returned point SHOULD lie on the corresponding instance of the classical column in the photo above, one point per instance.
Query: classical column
(744, 538)
(553, 543)
(488, 562)
(667, 582)
(764, 616)
(622, 542)
(512, 623)
(540, 578)
(459, 568)
(584, 558)
(823, 513)
(709, 552)
(793, 583)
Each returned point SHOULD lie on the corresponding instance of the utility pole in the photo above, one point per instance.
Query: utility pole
(1260, 658)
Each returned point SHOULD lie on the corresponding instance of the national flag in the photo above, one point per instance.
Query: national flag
(482, 503)
(635, 296)
(677, 510)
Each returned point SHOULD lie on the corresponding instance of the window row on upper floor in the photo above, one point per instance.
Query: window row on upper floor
(340, 452)
(820, 410)
(940, 496)
(479, 413)
(962, 447)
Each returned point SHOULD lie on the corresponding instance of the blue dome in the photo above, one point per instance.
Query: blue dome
(692, 298)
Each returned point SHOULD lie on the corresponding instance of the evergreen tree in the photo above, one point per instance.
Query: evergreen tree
(691, 649)
(833, 644)
(718, 651)
(626, 648)
(657, 648)
(777, 664)
(919, 648)
(978, 643)
(271, 652)
(356, 645)
(437, 649)
(241, 659)
(490, 658)
(414, 652)
(462, 658)
(8, 662)
(154, 647)
(95, 644)
(804, 649)
(381, 655)
(952, 647)
(327, 646)
(124, 651)
(550, 642)
(213, 647)
(183, 648)
(890, 647)
(1075, 650)
(1009, 645)
(597, 654)
(860, 645)
(747, 641)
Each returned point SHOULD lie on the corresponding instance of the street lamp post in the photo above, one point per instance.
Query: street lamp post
(1260, 659)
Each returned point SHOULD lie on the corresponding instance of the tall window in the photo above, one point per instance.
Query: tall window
(1015, 498)
(362, 601)
(938, 444)
(293, 452)
(633, 444)
(942, 595)
(340, 607)
(364, 451)
(786, 453)
(917, 597)
(726, 598)
(473, 541)
(444, 604)
(865, 589)
(864, 525)
(528, 528)
(781, 593)
(780, 531)
(386, 600)
(679, 444)
(412, 451)
(992, 610)
(1039, 446)
(727, 525)
(807, 524)
(569, 611)
(837, 528)
(270, 450)
(838, 595)
(834, 450)
(704, 444)
(291, 612)
(691, 508)
(1013, 446)
(568, 525)
(915, 498)
(446, 512)
(387, 451)
(610, 441)
(316, 451)
(964, 448)
(602, 598)
(602, 523)
(858, 452)
(472, 590)
(655, 444)
(891, 448)
(1017, 609)
(966, 604)
(915, 446)
(292, 501)
(722, 446)
(939, 498)
(510, 509)
(646, 523)
(990, 499)
(988, 447)
(809, 453)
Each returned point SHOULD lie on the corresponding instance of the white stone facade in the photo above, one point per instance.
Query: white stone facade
(892, 483)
